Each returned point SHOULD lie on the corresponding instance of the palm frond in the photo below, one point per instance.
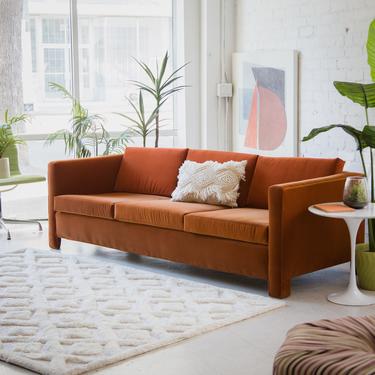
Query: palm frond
(146, 69)
(61, 89)
(145, 87)
(173, 74)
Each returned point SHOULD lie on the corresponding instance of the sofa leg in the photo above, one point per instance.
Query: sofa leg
(55, 243)
(279, 289)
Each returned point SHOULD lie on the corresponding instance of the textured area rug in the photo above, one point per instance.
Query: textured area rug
(65, 315)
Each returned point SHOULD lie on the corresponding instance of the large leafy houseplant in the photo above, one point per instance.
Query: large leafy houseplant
(87, 135)
(161, 87)
(364, 95)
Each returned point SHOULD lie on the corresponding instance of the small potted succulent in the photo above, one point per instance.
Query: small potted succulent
(8, 140)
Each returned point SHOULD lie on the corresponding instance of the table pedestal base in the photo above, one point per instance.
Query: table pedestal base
(351, 298)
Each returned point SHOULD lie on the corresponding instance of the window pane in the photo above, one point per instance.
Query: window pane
(54, 30)
(46, 59)
(112, 34)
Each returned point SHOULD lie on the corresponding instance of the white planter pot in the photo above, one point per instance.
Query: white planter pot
(4, 168)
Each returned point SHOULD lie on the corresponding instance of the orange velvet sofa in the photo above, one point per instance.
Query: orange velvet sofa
(123, 202)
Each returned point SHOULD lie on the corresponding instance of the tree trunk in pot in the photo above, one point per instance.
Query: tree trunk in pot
(11, 91)
(11, 87)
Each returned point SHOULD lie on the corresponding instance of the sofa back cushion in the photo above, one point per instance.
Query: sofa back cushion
(201, 156)
(278, 170)
(150, 170)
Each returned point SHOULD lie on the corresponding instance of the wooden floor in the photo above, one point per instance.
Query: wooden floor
(244, 348)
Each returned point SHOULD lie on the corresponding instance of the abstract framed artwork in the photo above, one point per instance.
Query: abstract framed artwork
(265, 102)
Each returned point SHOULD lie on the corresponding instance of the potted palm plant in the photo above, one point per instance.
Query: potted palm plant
(364, 95)
(87, 135)
(8, 140)
(161, 87)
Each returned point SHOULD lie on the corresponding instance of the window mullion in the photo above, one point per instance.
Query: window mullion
(74, 49)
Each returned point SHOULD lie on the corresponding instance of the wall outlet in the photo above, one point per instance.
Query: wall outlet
(224, 90)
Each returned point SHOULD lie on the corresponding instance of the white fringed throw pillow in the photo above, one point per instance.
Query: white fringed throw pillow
(210, 182)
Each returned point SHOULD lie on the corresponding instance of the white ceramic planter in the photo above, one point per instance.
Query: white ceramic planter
(4, 168)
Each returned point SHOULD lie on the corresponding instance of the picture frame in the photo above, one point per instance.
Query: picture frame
(265, 102)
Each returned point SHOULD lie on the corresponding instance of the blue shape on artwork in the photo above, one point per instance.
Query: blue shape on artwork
(246, 99)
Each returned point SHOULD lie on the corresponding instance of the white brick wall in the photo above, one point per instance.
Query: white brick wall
(331, 37)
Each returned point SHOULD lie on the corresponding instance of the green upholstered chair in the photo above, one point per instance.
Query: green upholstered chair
(15, 179)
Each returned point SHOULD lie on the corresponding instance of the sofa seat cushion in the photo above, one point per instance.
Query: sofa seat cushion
(150, 170)
(97, 205)
(200, 156)
(159, 213)
(243, 224)
(279, 170)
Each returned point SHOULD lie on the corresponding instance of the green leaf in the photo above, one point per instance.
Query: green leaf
(143, 86)
(127, 117)
(363, 94)
(141, 105)
(173, 74)
(146, 69)
(371, 49)
(355, 133)
(61, 89)
(172, 91)
(369, 135)
(162, 69)
(167, 83)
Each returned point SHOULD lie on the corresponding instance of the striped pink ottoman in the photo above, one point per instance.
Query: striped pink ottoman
(329, 347)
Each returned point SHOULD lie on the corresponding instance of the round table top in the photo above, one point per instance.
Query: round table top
(364, 213)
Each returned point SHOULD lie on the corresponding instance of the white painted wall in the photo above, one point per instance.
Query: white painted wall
(187, 31)
(202, 26)
(331, 37)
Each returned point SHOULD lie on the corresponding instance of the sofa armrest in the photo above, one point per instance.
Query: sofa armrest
(79, 176)
(300, 242)
(83, 176)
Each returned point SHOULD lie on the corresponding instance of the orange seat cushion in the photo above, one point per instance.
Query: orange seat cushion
(201, 156)
(243, 224)
(276, 170)
(97, 205)
(150, 170)
(162, 214)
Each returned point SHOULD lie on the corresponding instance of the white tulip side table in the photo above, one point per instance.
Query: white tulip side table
(352, 296)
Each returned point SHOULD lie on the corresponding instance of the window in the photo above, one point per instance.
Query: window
(111, 35)
(55, 68)
(46, 58)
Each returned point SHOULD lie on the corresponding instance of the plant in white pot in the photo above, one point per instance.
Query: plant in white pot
(364, 95)
(8, 140)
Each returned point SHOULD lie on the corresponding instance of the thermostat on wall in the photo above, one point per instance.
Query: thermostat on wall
(224, 90)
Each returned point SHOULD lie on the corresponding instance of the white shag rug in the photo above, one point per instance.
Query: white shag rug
(65, 315)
